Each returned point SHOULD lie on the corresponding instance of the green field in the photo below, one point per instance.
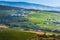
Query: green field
(32, 20)
(48, 20)
(16, 35)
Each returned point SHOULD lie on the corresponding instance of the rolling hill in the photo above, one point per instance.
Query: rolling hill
(36, 20)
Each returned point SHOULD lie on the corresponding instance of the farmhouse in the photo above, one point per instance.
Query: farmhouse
(18, 14)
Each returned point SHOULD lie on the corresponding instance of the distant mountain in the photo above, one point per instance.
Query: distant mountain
(2, 7)
(29, 6)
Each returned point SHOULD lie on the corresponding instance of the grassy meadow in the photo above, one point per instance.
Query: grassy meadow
(38, 21)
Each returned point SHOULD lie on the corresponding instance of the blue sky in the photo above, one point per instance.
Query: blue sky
(55, 3)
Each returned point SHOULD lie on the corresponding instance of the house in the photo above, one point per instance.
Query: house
(18, 14)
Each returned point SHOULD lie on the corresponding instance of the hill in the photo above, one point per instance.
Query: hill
(29, 19)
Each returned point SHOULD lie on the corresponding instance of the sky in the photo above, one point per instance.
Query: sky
(54, 3)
